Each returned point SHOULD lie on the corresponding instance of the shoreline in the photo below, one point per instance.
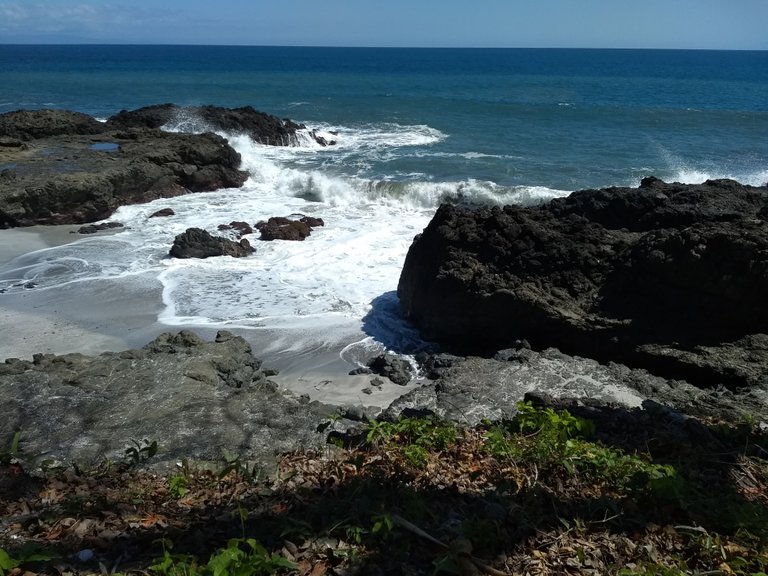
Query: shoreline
(90, 319)
(114, 315)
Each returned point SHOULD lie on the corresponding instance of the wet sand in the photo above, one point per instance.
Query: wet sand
(112, 315)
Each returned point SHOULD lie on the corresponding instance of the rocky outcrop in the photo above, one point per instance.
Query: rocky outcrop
(472, 389)
(669, 277)
(66, 173)
(63, 167)
(196, 399)
(282, 228)
(260, 127)
(26, 125)
(198, 243)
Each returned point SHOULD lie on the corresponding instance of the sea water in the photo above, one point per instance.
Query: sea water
(413, 128)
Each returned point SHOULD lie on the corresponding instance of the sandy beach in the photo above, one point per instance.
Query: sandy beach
(110, 315)
(78, 317)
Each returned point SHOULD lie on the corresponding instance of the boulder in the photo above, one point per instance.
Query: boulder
(154, 116)
(282, 228)
(396, 369)
(163, 213)
(198, 243)
(669, 277)
(240, 228)
(93, 228)
(312, 221)
(59, 172)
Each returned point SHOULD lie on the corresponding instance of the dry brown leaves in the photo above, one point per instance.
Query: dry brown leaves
(319, 510)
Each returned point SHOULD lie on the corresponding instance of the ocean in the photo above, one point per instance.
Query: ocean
(414, 128)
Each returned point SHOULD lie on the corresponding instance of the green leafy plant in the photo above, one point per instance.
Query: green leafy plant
(178, 486)
(414, 437)
(234, 463)
(558, 438)
(140, 452)
(246, 557)
(382, 525)
(496, 442)
(25, 555)
(355, 534)
(241, 557)
(416, 455)
(13, 452)
(558, 426)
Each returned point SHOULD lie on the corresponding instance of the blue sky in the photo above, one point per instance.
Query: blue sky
(716, 24)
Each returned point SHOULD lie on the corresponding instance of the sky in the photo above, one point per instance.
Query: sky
(695, 24)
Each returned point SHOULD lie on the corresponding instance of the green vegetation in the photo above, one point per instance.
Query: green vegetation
(241, 557)
(549, 492)
(29, 554)
(552, 438)
(140, 452)
(7, 456)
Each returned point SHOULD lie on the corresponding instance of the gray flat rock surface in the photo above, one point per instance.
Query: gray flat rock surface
(196, 399)
(473, 389)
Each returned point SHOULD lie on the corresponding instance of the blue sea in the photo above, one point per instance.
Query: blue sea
(414, 127)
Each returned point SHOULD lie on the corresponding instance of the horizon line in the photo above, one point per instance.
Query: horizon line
(375, 47)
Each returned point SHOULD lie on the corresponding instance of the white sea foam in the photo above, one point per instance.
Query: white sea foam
(337, 284)
(684, 171)
(691, 175)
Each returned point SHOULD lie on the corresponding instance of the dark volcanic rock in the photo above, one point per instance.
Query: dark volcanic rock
(282, 228)
(163, 213)
(30, 125)
(396, 369)
(261, 127)
(93, 228)
(670, 277)
(194, 398)
(240, 228)
(155, 116)
(65, 180)
(198, 243)
(311, 221)
(60, 173)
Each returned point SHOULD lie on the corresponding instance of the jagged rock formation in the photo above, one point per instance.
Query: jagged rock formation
(238, 227)
(66, 172)
(198, 243)
(260, 127)
(63, 167)
(27, 125)
(669, 277)
(398, 370)
(282, 228)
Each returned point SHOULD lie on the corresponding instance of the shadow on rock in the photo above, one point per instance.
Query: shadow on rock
(512, 499)
(386, 324)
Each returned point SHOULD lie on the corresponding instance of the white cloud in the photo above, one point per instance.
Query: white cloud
(47, 17)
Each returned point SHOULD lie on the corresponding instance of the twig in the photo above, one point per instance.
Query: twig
(693, 529)
(416, 530)
(419, 532)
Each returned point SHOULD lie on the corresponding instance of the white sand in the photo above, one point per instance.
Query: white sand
(88, 318)
(109, 315)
